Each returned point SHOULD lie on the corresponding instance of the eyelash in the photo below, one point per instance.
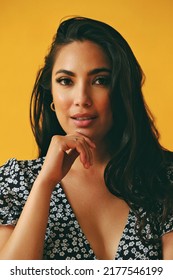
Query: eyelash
(103, 81)
(62, 80)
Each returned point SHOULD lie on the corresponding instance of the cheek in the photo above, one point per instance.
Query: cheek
(107, 112)
(57, 94)
(61, 102)
(105, 106)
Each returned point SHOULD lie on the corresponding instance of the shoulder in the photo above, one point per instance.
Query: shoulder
(19, 173)
(16, 180)
(167, 245)
(13, 167)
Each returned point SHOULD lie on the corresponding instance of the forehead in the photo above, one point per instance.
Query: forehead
(80, 54)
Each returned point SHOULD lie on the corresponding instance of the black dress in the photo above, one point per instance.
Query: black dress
(64, 238)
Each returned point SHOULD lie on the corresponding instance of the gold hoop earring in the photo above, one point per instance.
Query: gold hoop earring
(52, 107)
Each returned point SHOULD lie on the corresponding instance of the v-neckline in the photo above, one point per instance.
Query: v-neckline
(91, 251)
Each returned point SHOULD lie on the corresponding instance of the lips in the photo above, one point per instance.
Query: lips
(83, 120)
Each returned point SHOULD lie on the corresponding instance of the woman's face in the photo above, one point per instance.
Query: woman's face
(81, 90)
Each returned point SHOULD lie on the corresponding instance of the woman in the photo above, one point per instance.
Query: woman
(102, 187)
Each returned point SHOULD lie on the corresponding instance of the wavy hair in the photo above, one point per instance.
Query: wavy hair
(138, 160)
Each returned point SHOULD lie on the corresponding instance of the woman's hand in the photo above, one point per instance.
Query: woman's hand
(62, 152)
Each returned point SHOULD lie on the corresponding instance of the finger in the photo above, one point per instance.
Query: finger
(89, 153)
(83, 147)
(72, 155)
(88, 140)
(69, 159)
(83, 150)
(90, 143)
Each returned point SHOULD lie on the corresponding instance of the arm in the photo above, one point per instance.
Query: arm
(167, 246)
(26, 240)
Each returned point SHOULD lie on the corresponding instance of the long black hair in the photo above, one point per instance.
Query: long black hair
(137, 169)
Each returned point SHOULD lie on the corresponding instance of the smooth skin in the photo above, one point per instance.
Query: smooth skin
(81, 91)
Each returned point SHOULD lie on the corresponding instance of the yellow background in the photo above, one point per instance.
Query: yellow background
(26, 31)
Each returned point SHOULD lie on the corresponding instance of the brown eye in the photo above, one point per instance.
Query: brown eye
(64, 81)
(102, 80)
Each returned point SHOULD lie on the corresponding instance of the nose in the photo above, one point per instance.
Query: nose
(83, 96)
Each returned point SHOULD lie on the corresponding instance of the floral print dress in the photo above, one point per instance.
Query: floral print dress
(64, 238)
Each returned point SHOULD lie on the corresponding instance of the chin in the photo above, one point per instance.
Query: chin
(94, 137)
(84, 133)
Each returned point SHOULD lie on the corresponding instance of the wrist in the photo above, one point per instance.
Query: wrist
(44, 186)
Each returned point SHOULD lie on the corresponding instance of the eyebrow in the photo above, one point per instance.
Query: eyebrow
(92, 72)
